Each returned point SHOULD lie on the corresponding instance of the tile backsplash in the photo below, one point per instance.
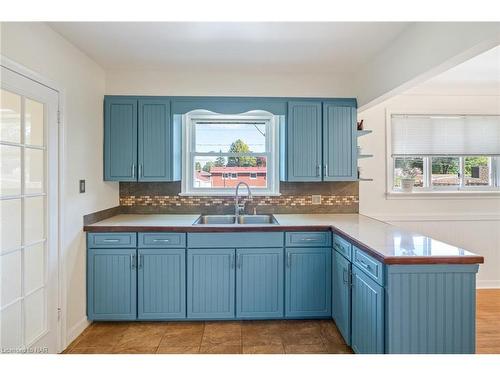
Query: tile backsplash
(296, 197)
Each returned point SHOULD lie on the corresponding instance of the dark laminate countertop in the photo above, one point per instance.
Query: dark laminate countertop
(386, 242)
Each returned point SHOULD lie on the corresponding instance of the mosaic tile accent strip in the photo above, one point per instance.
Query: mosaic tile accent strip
(288, 200)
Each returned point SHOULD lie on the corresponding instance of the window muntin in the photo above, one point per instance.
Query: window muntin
(476, 173)
(223, 150)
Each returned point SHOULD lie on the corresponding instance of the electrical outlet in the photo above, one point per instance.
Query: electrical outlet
(316, 199)
(82, 186)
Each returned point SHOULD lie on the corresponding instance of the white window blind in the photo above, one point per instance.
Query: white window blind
(445, 135)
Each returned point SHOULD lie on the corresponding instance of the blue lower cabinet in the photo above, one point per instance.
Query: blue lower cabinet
(367, 319)
(211, 283)
(341, 295)
(111, 289)
(161, 284)
(308, 282)
(259, 283)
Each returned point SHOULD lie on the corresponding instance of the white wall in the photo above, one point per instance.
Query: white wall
(151, 82)
(470, 223)
(40, 49)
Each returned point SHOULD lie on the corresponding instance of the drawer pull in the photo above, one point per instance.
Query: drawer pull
(367, 266)
(309, 239)
(161, 240)
(110, 240)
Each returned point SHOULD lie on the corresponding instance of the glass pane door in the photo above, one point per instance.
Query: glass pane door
(24, 257)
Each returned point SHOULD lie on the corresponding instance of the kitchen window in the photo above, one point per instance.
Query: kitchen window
(222, 150)
(445, 153)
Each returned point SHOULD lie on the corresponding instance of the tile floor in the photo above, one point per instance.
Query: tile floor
(245, 337)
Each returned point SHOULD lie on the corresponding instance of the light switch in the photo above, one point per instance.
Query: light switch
(316, 199)
(82, 186)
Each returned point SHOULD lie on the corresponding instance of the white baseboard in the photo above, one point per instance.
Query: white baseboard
(76, 330)
(488, 284)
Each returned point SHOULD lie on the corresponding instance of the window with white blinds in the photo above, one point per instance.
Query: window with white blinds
(445, 152)
(444, 135)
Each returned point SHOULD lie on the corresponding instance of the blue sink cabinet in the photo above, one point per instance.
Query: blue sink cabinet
(378, 308)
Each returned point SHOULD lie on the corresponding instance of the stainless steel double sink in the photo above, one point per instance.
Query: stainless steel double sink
(235, 220)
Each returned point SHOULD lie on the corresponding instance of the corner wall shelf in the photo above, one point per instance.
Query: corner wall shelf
(363, 132)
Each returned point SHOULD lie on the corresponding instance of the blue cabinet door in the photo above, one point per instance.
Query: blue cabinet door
(161, 284)
(304, 141)
(111, 284)
(120, 139)
(210, 283)
(367, 330)
(339, 142)
(308, 282)
(259, 283)
(154, 140)
(341, 295)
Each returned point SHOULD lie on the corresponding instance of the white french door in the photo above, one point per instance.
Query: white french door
(28, 215)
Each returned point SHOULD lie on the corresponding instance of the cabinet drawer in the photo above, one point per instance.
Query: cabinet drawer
(306, 239)
(162, 240)
(369, 265)
(342, 246)
(110, 240)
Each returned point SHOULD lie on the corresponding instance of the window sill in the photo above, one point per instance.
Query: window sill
(444, 194)
(227, 194)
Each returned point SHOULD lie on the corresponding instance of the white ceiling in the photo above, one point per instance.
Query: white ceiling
(332, 47)
(477, 76)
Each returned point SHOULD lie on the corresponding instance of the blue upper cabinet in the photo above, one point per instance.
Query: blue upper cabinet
(141, 141)
(304, 141)
(308, 282)
(339, 142)
(154, 141)
(120, 139)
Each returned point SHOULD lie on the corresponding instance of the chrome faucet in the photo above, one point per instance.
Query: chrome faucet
(237, 207)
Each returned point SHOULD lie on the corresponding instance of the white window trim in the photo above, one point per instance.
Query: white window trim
(188, 142)
(458, 192)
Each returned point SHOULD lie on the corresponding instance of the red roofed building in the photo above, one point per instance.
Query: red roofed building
(230, 176)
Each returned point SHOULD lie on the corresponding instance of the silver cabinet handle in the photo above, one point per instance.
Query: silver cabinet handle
(161, 240)
(133, 170)
(140, 170)
(344, 275)
(325, 170)
(318, 170)
(132, 261)
(289, 260)
(367, 266)
(309, 239)
(110, 240)
(232, 261)
(238, 260)
(141, 260)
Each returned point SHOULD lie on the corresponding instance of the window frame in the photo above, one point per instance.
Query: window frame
(189, 121)
(428, 188)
